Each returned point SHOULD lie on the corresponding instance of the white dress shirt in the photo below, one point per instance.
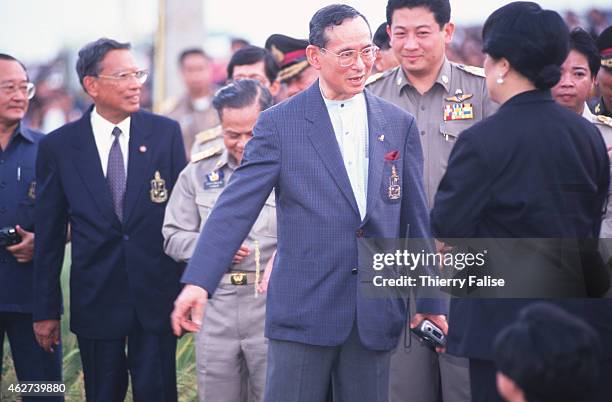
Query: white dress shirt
(103, 135)
(350, 121)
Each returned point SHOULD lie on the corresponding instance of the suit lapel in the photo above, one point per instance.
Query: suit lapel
(377, 150)
(89, 167)
(138, 163)
(324, 141)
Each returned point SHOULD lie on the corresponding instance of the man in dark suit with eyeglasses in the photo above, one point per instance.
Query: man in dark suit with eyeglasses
(108, 176)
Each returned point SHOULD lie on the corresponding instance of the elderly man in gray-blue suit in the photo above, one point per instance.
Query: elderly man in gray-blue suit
(345, 164)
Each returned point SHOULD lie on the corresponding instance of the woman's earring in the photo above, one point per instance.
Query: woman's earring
(500, 79)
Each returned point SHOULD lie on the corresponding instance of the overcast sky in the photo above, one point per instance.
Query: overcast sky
(35, 30)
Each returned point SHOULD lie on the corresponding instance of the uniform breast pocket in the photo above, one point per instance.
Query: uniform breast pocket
(265, 225)
(391, 183)
(449, 133)
(205, 200)
(26, 192)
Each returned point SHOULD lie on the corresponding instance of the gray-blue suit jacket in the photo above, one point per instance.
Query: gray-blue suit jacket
(314, 295)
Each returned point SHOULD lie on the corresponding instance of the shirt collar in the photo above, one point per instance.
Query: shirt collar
(226, 159)
(24, 132)
(335, 104)
(586, 113)
(106, 126)
(443, 78)
(602, 105)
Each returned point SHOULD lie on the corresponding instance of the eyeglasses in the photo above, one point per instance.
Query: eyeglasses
(140, 75)
(349, 57)
(27, 88)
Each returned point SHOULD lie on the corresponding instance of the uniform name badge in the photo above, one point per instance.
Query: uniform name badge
(214, 180)
(395, 190)
(158, 191)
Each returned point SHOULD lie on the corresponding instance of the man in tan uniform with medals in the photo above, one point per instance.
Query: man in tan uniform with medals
(445, 98)
(231, 348)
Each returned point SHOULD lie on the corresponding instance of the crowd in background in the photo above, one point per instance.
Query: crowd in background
(457, 196)
(59, 101)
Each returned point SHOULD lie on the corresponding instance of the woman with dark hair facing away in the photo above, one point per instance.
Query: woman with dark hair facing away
(547, 355)
(532, 170)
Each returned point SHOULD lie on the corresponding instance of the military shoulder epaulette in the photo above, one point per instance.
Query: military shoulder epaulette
(207, 153)
(375, 77)
(478, 71)
(168, 105)
(604, 120)
(207, 135)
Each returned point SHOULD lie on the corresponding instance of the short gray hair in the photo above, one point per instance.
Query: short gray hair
(240, 94)
(330, 16)
(92, 54)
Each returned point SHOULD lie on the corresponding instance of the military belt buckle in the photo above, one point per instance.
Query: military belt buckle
(238, 278)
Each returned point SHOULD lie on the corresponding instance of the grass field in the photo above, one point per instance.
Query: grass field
(73, 373)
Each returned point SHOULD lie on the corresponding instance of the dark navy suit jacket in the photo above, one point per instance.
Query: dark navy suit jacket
(119, 270)
(314, 295)
(532, 170)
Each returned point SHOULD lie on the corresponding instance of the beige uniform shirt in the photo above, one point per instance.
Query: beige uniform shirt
(192, 199)
(460, 93)
(192, 121)
(604, 124)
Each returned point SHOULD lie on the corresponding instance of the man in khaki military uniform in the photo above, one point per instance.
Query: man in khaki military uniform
(231, 348)
(604, 77)
(250, 62)
(385, 59)
(295, 73)
(604, 125)
(446, 98)
(193, 110)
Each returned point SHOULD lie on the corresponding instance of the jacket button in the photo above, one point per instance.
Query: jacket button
(354, 271)
(360, 233)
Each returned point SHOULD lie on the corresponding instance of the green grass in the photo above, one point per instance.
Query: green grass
(73, 372)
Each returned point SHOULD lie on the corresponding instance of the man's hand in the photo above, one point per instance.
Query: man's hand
(47, 334)
(188, 310)
(439, 320)
(262, 287)
(24, 250)
(241, 254)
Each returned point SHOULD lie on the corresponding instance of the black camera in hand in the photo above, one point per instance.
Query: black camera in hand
(429, 333)
(9, 236)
